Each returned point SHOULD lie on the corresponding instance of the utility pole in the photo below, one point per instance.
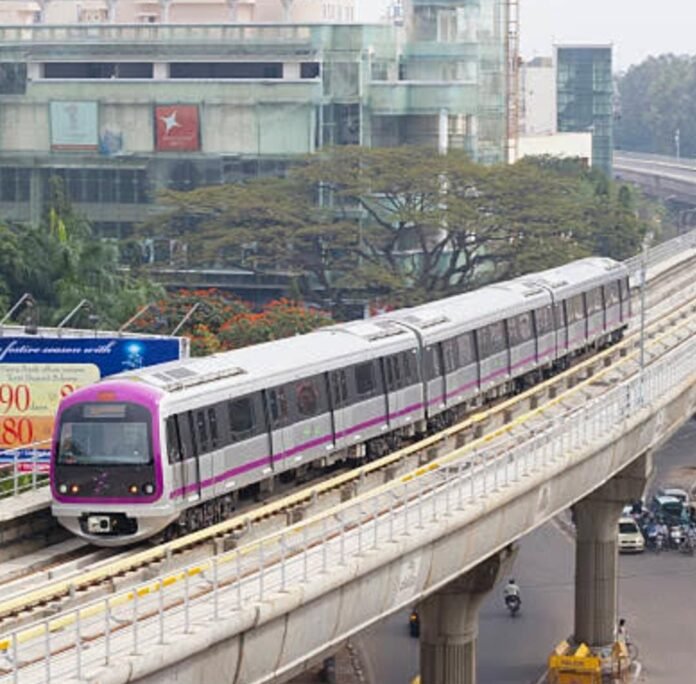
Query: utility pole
(643, 278)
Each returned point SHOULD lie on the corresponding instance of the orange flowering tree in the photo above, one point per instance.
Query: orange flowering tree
(219, 322)
(280, 318)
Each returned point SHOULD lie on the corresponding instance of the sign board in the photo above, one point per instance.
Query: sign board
(36, 372)
(177, 128)
(74, 126)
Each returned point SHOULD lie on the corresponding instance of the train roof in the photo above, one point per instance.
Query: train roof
(471, 310)
(281, 360)
(565, 281)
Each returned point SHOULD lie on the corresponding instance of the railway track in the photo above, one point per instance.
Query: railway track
(513, 418)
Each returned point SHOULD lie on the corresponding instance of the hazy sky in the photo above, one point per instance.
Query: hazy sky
(637, 28)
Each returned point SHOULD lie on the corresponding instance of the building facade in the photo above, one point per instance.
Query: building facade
(121, 111)
(585, 97)
(538, 100)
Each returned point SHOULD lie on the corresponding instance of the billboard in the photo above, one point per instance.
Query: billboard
(74, 126)
(177, 128)
(36, 372)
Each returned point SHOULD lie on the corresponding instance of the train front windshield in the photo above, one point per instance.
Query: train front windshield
(105, 434)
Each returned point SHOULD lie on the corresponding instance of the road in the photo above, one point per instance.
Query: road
(657, 596)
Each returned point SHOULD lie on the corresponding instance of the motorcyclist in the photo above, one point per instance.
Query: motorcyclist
(511, 589)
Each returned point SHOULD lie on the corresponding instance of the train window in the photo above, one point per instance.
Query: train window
(520, 329)
(611, 294)
(307, 397)
(202, 431)
(594, 301)
(623, 284)
(394, 372)
(212, 422)
(432, 363)
(240, 413)
(467, 353)
(339, 388)
(492, 339)
(575, 308)
(278, 406)
(365, 378)
(450, 355)
(173, 442)
(544, 320)
(408, 360)
(559, 314)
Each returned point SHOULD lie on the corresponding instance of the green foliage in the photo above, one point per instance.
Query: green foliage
(657, 98)
(59, 263)
(404, 225)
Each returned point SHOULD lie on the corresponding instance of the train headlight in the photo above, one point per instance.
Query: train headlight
(148, 488)
(133, 489)
(74, 489)
(63, 488)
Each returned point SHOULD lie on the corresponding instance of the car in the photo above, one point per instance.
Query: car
(667, 508)
(630, 537)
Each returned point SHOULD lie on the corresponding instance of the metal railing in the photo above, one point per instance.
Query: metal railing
(662, 252)
(24, 469)
(231, 585)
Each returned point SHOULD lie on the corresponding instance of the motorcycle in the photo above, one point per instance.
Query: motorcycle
(513, 603)
(659, 542)
(688, 543)
(676, 536)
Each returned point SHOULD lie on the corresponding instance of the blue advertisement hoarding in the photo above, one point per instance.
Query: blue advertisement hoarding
(36, 372)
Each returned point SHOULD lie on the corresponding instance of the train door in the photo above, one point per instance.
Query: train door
(207, 442)
(278, 411)
(436, 389)
(338, 401)
(187, 471)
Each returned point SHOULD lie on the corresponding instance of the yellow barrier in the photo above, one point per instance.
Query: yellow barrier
(579, 667)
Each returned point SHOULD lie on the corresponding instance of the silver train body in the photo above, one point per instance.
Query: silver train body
(170, 447)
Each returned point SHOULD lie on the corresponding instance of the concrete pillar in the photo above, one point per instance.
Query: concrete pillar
(160, 71)
(449, 622)
(291, 70)
(443, 131)
(596, 558)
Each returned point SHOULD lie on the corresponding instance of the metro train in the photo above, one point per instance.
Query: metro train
(169, 449)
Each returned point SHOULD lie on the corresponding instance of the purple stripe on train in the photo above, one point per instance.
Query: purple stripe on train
(267, 460)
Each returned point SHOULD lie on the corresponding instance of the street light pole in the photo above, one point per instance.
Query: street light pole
(643, 277)
(677, 142)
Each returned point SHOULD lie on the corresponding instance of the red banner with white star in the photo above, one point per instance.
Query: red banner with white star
(177, 128)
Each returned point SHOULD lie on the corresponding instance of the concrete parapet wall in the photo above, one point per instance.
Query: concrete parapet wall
(271, 641)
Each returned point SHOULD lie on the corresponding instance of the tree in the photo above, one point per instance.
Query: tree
(402, 224)
(656, 101)
(60, 263)
(220, 322)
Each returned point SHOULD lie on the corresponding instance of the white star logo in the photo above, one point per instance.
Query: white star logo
(170, 122)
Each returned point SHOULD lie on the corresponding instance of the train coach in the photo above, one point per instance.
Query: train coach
(170, 448)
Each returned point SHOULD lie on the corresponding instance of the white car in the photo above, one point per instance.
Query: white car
(630, 537)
